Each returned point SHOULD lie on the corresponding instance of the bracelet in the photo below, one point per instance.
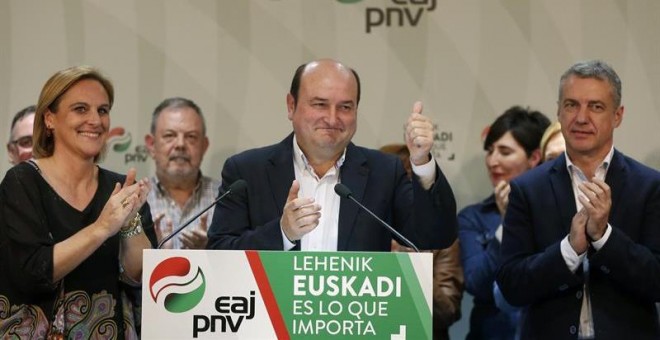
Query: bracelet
(134, 227)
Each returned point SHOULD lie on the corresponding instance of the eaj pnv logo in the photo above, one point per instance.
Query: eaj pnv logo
(398, 13)
(119, 139)
(175, 286)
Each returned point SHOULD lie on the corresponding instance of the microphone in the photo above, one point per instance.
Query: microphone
(344, 192)
(237, 187)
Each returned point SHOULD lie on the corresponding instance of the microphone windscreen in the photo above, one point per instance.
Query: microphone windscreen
(239, 186)
(343, 190)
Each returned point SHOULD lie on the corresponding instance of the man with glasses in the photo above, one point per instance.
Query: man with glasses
(19, 146)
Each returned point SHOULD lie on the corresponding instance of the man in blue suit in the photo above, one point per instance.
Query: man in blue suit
(290, 201)
(581, 244)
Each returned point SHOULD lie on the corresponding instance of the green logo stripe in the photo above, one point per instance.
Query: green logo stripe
(179, 303)
(416, 293)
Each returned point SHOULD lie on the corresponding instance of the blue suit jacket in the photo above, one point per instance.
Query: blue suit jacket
(624, 274)
(252, 220)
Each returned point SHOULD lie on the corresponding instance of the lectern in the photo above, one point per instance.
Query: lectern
(214, 294)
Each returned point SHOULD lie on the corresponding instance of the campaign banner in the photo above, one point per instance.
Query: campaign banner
(211, 294)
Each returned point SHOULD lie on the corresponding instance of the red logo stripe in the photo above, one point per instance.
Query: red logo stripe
(267, 293)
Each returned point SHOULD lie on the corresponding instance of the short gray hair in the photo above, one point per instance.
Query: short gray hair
(176, 103)
(594, 69)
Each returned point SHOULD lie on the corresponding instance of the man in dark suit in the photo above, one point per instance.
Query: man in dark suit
(290, 201)
(581, 244)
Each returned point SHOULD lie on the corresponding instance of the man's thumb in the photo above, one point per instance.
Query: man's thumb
(418, 107)
(203, 222)
(293, 192)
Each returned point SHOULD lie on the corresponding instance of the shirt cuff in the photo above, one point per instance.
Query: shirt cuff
(425, 172)
(571, 258)
(288, 245)
(600, 243)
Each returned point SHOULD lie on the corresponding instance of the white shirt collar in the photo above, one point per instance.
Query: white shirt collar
(605, 164)
(300, 160)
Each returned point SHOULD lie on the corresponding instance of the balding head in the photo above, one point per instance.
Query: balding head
(320, 64)
(322, 107)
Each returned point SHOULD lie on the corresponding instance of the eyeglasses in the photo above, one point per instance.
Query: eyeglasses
(24, 142)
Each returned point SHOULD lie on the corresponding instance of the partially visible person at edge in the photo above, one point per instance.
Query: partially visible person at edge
(447, 271)
(290, 202)
(512, 147)
(177, 143)
(581, 245)
(72, 233)
(19, 147)
(552, 142)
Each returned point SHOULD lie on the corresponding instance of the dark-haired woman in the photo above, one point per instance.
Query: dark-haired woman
(512, 147)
